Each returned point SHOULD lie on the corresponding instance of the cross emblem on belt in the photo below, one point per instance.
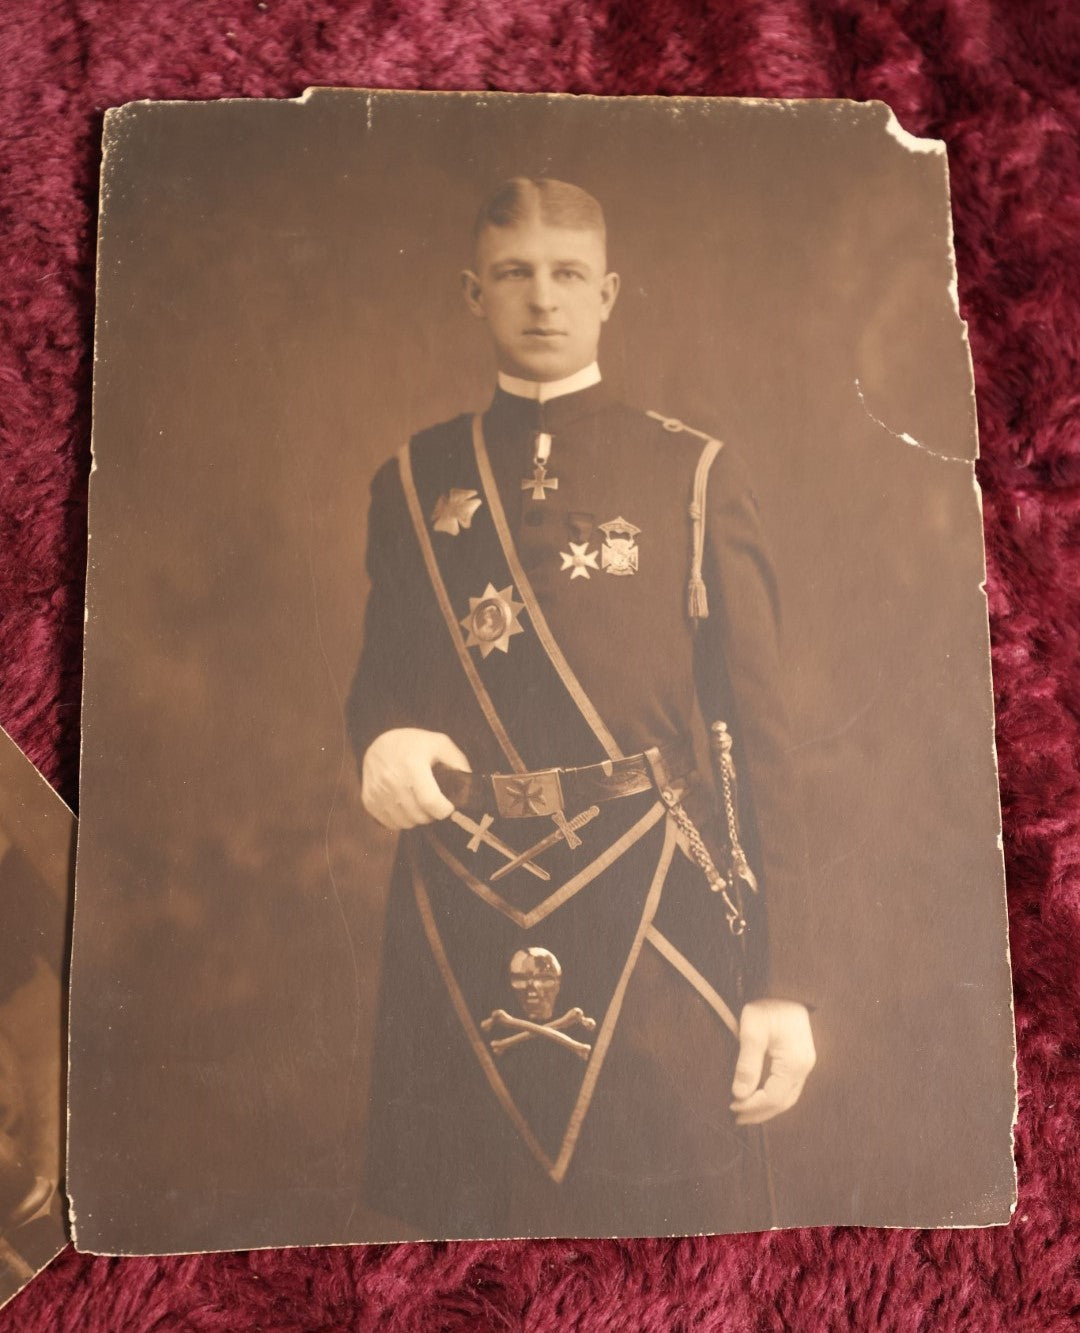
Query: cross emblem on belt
(526, 796)
(540, 483)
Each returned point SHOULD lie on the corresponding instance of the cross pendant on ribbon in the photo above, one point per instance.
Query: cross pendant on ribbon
(540, 483)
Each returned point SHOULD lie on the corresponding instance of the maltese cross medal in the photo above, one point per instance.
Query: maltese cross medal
(455, 510)
(578, 560)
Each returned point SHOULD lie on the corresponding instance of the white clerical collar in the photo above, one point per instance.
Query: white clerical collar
(542, 391)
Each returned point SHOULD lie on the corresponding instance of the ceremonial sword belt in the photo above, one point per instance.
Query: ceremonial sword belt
(552, 791)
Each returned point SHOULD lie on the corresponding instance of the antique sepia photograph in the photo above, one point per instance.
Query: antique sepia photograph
(37, 850)
(538, 748)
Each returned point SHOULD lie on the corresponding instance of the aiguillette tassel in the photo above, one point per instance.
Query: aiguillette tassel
(698, 599)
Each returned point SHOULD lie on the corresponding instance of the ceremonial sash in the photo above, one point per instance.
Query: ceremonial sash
(463, 567)
(595, 910)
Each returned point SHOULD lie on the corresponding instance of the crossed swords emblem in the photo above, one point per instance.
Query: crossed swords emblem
(536, 977)
(481, 833)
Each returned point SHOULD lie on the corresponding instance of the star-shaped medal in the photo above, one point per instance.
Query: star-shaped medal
(492, 620)
(455, 510)
(579, 560)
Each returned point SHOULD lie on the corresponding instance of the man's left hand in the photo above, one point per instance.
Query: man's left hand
(777, 1046)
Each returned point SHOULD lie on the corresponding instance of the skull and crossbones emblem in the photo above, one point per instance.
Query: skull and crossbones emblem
(536, 978)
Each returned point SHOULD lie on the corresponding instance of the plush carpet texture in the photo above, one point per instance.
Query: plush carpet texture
(998, 81)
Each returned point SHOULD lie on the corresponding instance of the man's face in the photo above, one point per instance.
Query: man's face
(544, 293)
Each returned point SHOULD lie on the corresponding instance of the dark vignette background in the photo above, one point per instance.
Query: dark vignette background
(278, 310)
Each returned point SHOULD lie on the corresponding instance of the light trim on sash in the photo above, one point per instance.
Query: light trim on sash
(542, 910)
(607, 1031)
(480, 1050)
(558, 1168)
(525, 591)
(408, 485)
(687, 970)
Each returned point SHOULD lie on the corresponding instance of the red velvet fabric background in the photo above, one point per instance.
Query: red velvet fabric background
(998, 81)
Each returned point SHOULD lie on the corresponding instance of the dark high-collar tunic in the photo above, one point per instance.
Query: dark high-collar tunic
(608, 555)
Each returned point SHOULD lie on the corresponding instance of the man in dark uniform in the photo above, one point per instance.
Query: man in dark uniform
(595, 982)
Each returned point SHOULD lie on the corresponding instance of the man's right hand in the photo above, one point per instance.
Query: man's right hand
(399, 788)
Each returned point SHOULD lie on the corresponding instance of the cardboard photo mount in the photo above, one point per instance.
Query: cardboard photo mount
(324, 509)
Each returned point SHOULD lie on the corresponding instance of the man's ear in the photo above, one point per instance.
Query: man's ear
(609, 290)
(471, 290)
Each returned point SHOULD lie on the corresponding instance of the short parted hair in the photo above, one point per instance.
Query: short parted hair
(556, 203)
